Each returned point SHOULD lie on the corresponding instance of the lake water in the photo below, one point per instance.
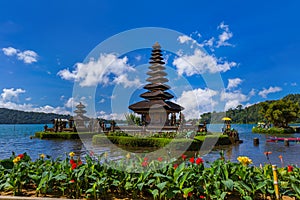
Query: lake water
(17, 138)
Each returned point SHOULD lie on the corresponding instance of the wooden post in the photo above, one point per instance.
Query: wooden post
(286, 142)
(275, 177)
(255, 141)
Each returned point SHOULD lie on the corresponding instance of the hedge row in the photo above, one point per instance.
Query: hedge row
(62, 135)
(160, 142)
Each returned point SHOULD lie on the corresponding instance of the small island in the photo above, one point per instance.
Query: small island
(278, 113)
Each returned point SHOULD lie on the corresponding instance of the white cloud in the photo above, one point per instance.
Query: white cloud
(209, 43)
(32, 108)
(98, 71)
(200, 62)
(185, 39)
(9, 94)
(9, 51)
(27, 56)
(233, 99)
(233, 83)
(264, 93)
(138, 57)
(102, 101)
(108, 116)
(224, 36)
(70, 103)
(123, 80)
(252, 92)
(294, 84)
(197, 101)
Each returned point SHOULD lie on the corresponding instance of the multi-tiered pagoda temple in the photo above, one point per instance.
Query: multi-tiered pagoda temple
(157, 109)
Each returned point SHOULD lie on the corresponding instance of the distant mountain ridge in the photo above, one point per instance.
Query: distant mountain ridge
(9, 116)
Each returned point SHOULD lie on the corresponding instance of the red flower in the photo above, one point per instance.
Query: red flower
(290, 168)
(202, 197)
(199, 161)
(267, 153)
(146, 159)
(74, 165)
(72, 181)
(144, 164)
(190, 194)
(192, 159)
(160, 159)
(79, 162)
(21, 156)
(72, 162)
(183, 157)
(175, 165)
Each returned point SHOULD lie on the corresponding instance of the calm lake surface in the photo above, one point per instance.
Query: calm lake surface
(17, 138)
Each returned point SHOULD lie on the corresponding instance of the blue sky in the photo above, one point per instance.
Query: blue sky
(42, 44)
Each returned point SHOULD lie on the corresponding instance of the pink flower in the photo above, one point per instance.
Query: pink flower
(72, 181)
(183, 157)
(202, 197)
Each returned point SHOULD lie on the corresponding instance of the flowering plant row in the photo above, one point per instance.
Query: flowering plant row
(97, 177)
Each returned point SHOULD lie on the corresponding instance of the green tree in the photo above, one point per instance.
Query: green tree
(281, 112)
(132, 119)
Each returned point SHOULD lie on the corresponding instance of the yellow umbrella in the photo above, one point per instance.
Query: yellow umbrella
(226, 119)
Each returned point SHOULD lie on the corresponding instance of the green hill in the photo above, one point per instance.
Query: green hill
(8, 116)
(247, 115)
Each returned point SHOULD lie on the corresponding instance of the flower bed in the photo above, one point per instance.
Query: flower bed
(161, 178)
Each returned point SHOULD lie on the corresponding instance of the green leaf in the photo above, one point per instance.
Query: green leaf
(128, 186)
(223, 195)
(187, 190)
(81, 172)
(296, 188)
(247, 198)
(154, 193)
(140, 186)
(162, 185)
(228, 184)
(261, 185)
(245, 186)
(7, 163)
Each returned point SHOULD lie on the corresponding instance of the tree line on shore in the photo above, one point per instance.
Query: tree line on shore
(279, 112)
(8, 116)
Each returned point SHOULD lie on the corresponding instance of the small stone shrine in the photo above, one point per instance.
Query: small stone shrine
(80, 118)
